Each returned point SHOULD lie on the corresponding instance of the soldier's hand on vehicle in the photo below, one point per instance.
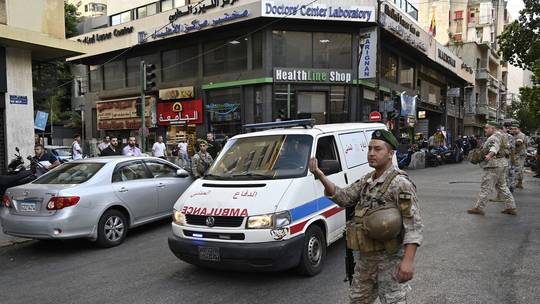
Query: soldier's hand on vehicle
(314, 166)
(405, 271)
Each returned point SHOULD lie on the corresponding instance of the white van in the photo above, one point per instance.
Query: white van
(260, 208)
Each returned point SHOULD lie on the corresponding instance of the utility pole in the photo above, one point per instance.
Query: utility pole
(142, 68)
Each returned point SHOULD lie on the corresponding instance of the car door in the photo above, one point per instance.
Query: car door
(135, 187)
(169, 186)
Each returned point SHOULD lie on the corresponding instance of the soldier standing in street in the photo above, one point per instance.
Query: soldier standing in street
(496, 148)
(521, 153)
(386, 228)
(202, 160)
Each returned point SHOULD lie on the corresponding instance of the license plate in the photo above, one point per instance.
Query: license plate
(27, 207)
(209, 253)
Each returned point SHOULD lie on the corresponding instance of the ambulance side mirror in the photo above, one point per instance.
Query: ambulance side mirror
(182, 173)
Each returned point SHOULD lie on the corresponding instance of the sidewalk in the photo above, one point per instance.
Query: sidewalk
(6, 240)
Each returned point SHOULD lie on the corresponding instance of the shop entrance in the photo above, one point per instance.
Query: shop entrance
(312, 105)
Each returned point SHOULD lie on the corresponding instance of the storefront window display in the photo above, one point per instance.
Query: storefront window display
(223, 108)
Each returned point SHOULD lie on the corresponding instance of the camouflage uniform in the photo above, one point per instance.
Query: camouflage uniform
(200, 163)
(495, 172)
(374, 274)
(521, 155)
(511, 167)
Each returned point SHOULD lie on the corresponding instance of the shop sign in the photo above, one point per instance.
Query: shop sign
(319, 10)
(368, 53)
(312, 75)
(453, 92)
(446, 58)
(106, 36)
(122, 114)
(200, 8)
(176, 93)
(408, 105)
(400, 25)
(421, 114)
(16, 99)
(180, 112)
(40, 122)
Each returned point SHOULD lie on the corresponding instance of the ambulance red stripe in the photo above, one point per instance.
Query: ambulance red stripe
(328, 213)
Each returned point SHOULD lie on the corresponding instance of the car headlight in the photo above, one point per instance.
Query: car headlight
(267, 221)
(179, 218)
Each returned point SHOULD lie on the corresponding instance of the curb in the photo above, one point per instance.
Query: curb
(13, 242)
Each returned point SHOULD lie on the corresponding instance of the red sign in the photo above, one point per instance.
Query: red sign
(180, 112)
(375, 116)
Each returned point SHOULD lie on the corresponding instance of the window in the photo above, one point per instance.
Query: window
(459, 27)
(95, 78)
(70, 173)
(339, 104)
(113, 75)
(327, 155)
(292, 49)
(224, 56)
(389, 64)
(458, 15)
(166, 5)
(179, 63)
(132, 71)
(223, 108)
(406, 74)
(355, 146)
(257, 49)
(141, 12)
(332, 50)
(129, 172)
(180, 3)
(121, 18)
(147, 10)
(161, 170)
(86, 8)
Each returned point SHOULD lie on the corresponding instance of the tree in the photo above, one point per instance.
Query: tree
(71, 19)
(519, 44)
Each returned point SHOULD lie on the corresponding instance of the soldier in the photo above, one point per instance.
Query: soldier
(496, 149)
(521, 153)
(386, 228)
(202, 160)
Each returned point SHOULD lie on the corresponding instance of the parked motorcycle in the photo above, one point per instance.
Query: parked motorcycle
(17, 174)
(404, 159)
(530, 160)
(433, 159)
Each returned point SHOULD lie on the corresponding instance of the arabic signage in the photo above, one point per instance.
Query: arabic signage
(312, 75)
(40, 122)
(368, 53)
(122, 114)
(16, 99)
(396, 22)
(106, 36)
(199, 8)
(318, 10)
(176, 93)
(446, 58)
(180, 112)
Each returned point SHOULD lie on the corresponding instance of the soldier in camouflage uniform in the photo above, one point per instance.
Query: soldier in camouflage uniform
(521, 153)
(495, 148)
(202, 160)
(383, 266)
(511, 158)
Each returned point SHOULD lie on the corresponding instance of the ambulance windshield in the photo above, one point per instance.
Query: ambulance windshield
(263, 157)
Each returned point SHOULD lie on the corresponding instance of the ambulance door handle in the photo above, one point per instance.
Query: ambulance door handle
(346, 178)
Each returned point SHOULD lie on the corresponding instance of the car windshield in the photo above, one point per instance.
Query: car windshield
(263, 157)
(70, 173)
(63, 151)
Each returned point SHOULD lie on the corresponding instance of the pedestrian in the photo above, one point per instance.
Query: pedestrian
(386, 228)
(76, 150)
(213, 146)
(104, 144)
(202, 160)
(183, 152)
(495, 148)
(43, 161)
(131, 148)
(113, 149)
(522, 143)
(537, 141)
(159, 149)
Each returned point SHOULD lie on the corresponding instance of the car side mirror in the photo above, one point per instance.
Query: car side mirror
(182, 173)
(329, 166)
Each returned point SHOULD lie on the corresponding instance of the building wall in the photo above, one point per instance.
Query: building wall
(46, 16)
(115, 7)
(19, 118)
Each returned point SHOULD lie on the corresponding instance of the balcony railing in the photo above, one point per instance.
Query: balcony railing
(482, 74)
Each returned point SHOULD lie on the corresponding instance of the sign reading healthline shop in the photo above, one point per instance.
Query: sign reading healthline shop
(312, 75)
(319, 10)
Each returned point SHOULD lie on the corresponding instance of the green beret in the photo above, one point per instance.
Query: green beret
(203, 142)
(494, 123)
(515, 124)
(386, 136)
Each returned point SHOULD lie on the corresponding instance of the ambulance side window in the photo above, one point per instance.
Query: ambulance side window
(327, 155)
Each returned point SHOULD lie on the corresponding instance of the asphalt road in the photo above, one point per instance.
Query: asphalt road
(465, 259)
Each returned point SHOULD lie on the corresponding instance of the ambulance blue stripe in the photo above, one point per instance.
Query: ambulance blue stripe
(310, 208)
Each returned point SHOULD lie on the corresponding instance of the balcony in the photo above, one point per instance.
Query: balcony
(482, 109)
(482, 74)
(492, 112)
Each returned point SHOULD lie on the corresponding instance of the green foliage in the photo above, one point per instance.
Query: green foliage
(71, 17)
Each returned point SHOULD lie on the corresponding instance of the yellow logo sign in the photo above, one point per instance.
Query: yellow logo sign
(177, 107)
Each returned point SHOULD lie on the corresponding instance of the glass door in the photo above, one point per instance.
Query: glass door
(312, 105)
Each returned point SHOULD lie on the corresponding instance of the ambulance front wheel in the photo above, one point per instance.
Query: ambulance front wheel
(313, 252)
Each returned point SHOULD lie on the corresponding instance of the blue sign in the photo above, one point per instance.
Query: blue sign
(40, 122)
(408, 105)
(14, 99)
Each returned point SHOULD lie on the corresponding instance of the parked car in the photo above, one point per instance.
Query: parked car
(63, 153)
(97, 198)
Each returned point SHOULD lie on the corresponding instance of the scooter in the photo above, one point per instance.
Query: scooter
(17, 173)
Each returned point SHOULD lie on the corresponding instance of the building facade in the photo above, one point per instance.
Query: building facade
(470, 29)
(223, 64)
(38, 36)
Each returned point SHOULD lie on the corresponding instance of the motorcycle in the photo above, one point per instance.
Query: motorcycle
(432, 158)
(17, 174)
(530, 160)
(404, 159)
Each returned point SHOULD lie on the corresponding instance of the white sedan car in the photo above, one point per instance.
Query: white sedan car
(95, 198)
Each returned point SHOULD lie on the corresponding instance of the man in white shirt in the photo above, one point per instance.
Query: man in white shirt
(76, 150)
(104, 144)
(131, 148)
(183, 151)
(158, 149)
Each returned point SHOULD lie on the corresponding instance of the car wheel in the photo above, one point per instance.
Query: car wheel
(112, 229)
(313, 252)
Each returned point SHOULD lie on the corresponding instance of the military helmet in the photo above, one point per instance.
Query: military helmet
(383, 223)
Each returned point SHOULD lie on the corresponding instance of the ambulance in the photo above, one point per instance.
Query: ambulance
(260, 208)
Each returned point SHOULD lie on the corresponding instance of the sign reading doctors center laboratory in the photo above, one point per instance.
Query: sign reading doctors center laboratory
(321, 10)
(312, 75)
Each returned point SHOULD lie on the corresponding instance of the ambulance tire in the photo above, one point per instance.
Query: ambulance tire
(313, 252)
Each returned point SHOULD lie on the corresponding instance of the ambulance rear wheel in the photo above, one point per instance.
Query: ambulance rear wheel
(313, 252)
